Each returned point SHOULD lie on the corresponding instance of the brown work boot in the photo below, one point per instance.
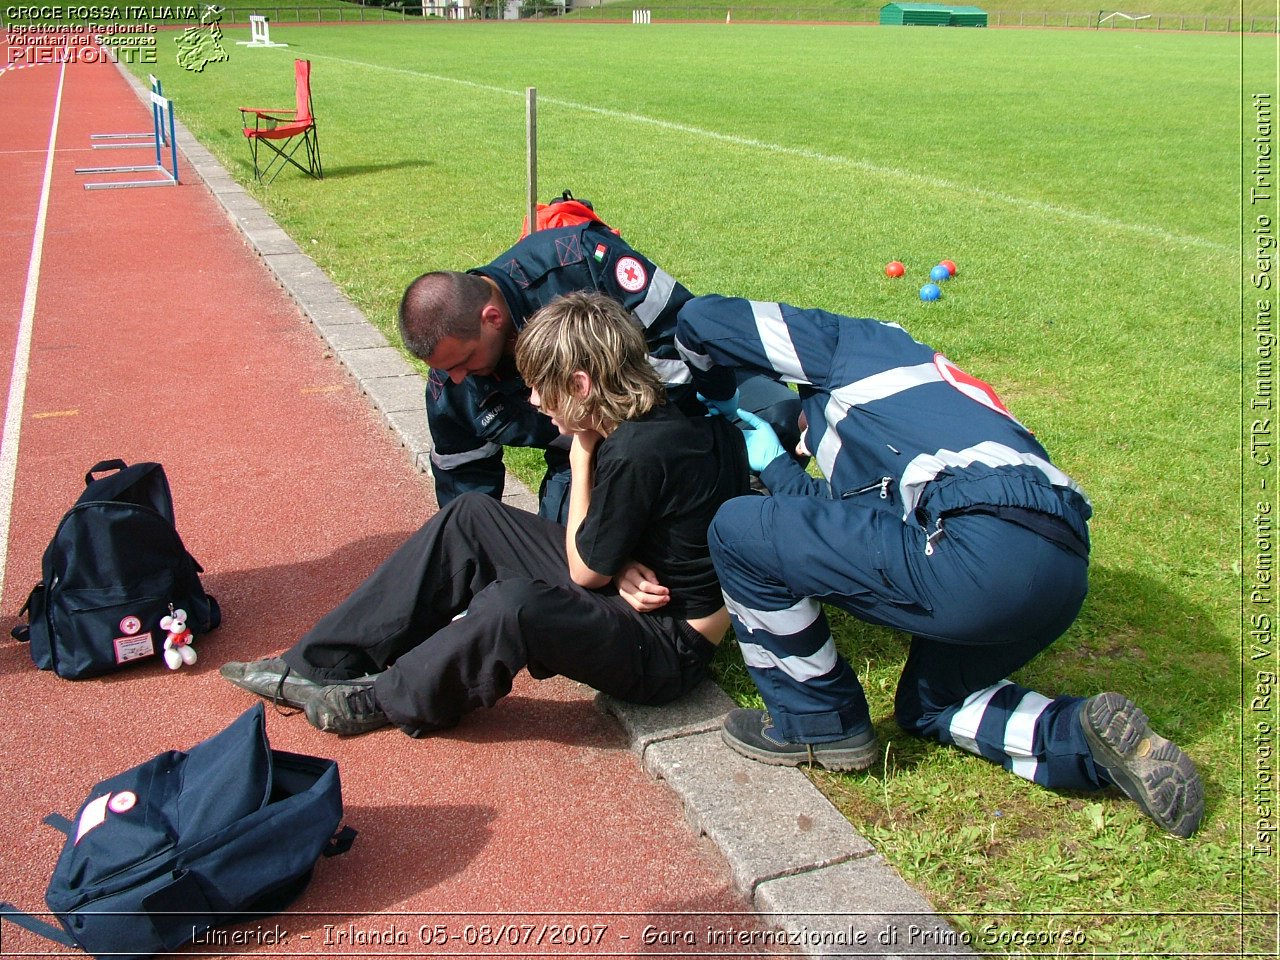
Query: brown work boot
(1151, 771)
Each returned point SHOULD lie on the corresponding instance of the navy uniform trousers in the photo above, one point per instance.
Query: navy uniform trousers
(982, 601)
(507, 570)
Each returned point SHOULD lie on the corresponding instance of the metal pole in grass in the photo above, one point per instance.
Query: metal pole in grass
(531, 139)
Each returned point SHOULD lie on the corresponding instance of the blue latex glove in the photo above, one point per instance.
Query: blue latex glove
(727, 408)
(763, 446)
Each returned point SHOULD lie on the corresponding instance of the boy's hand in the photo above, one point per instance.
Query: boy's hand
(638, 585)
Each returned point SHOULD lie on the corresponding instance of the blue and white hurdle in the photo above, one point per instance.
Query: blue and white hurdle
(162, 135)
(142, 139)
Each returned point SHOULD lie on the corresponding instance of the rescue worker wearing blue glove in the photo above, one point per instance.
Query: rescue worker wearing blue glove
(465, 325)
(763, 445)
(940, 515)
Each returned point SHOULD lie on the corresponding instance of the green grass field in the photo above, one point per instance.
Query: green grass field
(1087, 184)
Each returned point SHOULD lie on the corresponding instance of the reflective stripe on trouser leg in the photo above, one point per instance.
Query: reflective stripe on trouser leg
(1026, 733)
(811, 693)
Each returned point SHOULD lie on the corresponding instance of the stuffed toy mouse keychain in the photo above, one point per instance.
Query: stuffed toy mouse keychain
(177, 645)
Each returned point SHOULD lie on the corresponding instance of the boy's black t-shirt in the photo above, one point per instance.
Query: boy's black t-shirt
(658, 482)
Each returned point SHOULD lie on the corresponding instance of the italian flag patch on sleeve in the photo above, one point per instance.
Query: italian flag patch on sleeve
(601, 250)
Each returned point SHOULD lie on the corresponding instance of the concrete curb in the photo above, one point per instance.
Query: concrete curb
(796, 857)
(792, 853)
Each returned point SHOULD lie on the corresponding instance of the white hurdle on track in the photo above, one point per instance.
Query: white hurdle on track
(641, 16)
(259, 33)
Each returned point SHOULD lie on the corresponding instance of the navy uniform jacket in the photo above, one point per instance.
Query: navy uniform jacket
(892, 423)
(472, 421)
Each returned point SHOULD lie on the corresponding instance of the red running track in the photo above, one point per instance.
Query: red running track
(158, 335)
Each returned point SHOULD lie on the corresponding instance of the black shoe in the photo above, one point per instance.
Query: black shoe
(751, 733)
(1151, 771)
(271, 679)
(346, 709)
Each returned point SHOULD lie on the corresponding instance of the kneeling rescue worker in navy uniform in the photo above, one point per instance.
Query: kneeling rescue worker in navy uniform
(464, 325)
(940, 515)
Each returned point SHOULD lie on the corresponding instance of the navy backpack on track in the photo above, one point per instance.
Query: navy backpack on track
(226, 832)
(115, 568)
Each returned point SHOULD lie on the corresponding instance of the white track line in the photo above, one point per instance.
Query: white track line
(22, 349)
(890, 173)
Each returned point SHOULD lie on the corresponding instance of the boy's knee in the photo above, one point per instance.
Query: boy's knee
(512, 601)
(470, 504)
(470, 511)
(516, 592)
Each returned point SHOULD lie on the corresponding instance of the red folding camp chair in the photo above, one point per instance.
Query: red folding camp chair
(295, 128)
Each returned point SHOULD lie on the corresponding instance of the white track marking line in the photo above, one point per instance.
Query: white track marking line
(891, 173)
(22, 349)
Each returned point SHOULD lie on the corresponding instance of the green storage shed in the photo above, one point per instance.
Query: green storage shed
(931, 15)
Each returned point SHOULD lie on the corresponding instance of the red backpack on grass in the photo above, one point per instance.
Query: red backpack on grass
(564, 211)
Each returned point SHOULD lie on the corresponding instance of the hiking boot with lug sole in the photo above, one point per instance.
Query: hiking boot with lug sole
(272, 680)
(1151, 771)
(346, 709)
(752, 734)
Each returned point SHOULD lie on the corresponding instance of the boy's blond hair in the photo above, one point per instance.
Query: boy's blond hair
(597, 335)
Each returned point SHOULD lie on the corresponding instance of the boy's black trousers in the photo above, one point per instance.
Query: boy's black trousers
(507, 570)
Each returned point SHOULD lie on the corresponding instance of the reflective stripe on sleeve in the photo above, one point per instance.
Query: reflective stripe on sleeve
(775, 337)
(671, 371)
(699, 361)
(451, 461)
(656, 298)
